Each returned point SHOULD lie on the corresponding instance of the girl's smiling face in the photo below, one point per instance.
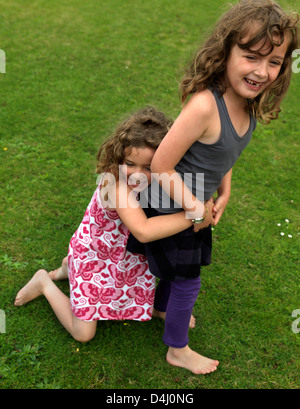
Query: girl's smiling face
(250, 71)
(136, 167)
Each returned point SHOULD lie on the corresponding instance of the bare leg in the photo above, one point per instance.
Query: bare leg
(189, 359)
(60, 273)
(162, 315)
(41, 284)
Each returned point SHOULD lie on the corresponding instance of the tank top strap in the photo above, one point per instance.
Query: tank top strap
(225, 118)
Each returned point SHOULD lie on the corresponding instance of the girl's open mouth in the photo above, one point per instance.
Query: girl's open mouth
(137, 185)
(254, 85)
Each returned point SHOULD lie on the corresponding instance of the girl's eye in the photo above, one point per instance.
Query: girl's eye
(276, 63)
(251, 57)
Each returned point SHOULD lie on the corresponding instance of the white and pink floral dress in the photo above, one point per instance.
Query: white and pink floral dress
(107, 282)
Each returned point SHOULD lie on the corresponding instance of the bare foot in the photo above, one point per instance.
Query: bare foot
(162, 315)
(60, 273)
(189, 359)
(32, 289)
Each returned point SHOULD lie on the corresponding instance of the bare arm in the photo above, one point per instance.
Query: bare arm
(133, 216)
(221, 201)
(190, 126)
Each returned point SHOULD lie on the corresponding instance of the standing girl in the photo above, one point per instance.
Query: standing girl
(106, 280)
(239, 75)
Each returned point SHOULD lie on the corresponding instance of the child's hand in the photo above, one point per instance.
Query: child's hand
(218, 208)
(209, 218)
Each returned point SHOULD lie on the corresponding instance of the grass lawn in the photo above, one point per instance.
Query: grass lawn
(73, 69)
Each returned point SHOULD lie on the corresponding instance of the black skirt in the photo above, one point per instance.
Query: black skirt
(177, 257)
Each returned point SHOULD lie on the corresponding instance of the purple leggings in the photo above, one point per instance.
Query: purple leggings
(177, 299)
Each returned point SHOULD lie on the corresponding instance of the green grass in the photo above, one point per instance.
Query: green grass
(73, 69)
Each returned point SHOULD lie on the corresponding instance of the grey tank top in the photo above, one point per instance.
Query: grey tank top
(203, 166)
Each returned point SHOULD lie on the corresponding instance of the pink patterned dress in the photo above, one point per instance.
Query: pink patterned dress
(107, 282)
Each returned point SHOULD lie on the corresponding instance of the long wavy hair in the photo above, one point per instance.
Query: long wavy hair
(208, 67)
(143, 129)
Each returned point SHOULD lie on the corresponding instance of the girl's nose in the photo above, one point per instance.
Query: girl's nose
(135, 172)
(138, 177)
(262, 71)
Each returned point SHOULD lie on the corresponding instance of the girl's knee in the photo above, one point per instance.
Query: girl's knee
(84, 331)
(84, 337)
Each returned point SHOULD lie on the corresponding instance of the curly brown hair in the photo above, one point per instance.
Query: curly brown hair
(143, 129)
(208, 67)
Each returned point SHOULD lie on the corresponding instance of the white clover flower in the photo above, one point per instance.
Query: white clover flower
(281, 234)
(286, 220)
(278, 224)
